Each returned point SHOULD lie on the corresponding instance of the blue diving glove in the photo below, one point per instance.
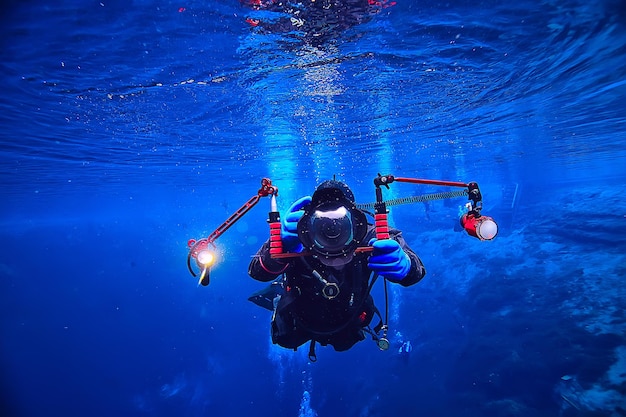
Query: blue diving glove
(389, 260)
(289, 227)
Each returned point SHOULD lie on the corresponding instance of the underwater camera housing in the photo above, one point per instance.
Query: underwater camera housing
(332, 227)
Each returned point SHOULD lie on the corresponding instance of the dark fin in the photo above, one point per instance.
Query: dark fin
(265, 297)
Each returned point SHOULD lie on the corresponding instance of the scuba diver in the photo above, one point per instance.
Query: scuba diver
(323, 295)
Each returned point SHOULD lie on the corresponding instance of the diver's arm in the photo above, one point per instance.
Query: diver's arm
(263, 268)
(417, 271)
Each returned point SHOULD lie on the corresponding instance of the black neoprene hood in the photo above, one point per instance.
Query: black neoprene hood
(331, 190)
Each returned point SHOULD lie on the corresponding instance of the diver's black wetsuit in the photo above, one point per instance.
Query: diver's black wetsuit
(304, 314)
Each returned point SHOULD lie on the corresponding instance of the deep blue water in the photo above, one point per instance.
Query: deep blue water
(129, 127)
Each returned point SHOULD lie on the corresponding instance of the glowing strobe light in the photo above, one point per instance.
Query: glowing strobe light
(481, 227)
(205, 258)
(202, 251)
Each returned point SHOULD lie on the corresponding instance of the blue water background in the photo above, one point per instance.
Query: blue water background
(129, 127)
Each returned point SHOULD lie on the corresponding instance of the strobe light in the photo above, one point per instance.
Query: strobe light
(205, 258)
(203, 252)
(479, 226)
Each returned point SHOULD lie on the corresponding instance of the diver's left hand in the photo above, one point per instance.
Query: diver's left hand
(389, 260)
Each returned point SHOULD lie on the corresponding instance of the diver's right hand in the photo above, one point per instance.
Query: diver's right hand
(289, 227)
